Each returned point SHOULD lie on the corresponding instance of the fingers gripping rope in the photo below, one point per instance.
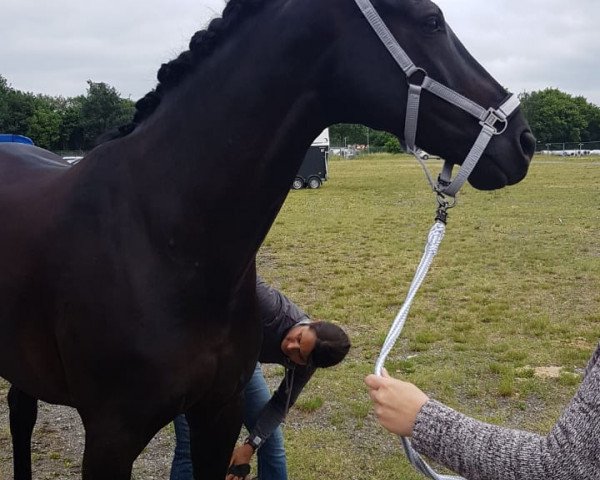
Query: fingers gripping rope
(436, 234)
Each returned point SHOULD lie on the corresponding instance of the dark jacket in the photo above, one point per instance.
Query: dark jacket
(278, 315)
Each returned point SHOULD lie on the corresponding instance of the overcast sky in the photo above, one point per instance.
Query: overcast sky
(54, 46)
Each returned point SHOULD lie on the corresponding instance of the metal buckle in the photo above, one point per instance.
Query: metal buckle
(441, 213)
(493, 116)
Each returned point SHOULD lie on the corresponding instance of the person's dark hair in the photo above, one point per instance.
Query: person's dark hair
(331, 346)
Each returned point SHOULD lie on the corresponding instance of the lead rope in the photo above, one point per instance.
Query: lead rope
(436, 234)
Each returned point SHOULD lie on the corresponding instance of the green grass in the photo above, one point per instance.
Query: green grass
(514, 287)
(309, 404)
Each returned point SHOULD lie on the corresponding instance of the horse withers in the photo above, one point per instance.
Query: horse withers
(127, 281)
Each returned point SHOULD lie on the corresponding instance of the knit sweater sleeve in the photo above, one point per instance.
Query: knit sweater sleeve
(477, 450)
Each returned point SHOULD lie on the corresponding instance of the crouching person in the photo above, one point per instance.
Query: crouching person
(290, 339)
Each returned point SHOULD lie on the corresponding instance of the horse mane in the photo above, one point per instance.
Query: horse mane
(170, 74)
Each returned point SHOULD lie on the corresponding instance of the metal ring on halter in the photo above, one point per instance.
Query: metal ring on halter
(494, 116)
(414, 72)
(444, 200)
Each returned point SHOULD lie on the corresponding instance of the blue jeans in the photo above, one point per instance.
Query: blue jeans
(271, 455)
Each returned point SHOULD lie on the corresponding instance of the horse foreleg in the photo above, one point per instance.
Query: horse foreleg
(23, 415)
(212, 438)
(111, 447)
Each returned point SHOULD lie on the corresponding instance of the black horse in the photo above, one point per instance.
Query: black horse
(127, 282)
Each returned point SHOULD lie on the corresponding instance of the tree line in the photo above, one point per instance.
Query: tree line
(61, 124)
(557, 117)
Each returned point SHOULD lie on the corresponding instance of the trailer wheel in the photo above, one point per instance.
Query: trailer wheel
(298, 183)
(314, 182)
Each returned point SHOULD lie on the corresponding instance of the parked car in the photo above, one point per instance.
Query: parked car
(72, 160)
(422, 154)
(12, 138)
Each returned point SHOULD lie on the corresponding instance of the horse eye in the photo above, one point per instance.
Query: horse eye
(433, 24)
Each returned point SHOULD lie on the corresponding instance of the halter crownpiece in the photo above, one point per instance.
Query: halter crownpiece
(488, 118)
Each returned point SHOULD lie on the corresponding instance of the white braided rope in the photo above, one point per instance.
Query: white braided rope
(436, 234)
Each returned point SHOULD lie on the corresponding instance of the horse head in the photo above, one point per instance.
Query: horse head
(369, 86)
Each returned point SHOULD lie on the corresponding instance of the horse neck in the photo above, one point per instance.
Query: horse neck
(215, 162)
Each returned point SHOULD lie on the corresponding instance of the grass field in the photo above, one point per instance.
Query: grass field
(514, 289)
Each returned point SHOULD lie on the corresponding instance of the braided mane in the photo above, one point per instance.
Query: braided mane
(170, 74)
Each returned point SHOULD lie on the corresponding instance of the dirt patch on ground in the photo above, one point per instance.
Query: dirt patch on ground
(547, 372)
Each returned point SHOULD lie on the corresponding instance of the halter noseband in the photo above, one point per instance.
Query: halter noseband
(492, 121)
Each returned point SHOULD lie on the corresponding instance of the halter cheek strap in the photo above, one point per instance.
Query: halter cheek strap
(493, 121)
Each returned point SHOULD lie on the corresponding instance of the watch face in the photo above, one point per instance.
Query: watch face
(252, 443)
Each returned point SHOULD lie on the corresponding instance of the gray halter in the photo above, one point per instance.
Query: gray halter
(492, 121)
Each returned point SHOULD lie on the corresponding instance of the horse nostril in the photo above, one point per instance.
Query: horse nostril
(528, 143)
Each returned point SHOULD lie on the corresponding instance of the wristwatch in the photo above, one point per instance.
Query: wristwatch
(254, 441)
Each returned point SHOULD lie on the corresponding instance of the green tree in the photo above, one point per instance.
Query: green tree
(58, 123)
(392, 145)
(44, 126)
(71, 133)
(379, 138)
(592, 132)
(15, 109)
(591, 114)
(555, 116)
(343, 134)
(4, 92)
(102, 109)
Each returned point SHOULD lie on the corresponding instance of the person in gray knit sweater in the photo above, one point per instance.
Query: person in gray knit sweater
(477, 450)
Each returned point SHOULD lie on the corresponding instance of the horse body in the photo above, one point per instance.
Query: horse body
(128, 284)
(101, 312)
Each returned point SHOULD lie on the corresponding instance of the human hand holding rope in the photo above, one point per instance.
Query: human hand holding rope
(397, 403)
